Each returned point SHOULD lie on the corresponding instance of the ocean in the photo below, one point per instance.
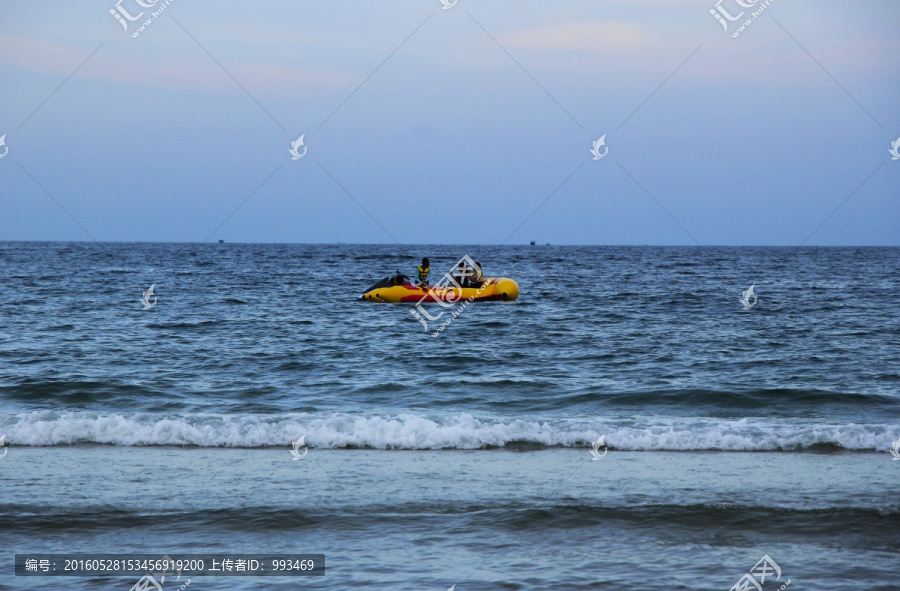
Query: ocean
(463, 458)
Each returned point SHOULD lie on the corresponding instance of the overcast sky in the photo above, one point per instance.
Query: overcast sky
(451, 125)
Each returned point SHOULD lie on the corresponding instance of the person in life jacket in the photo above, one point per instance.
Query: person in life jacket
(476, 276)
(422, 271)
(466, 276)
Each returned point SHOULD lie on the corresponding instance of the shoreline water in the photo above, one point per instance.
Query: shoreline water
(553, 512)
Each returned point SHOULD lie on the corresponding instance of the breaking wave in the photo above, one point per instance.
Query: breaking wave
(463, 431)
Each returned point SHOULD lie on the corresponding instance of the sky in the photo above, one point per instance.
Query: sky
(471, 124)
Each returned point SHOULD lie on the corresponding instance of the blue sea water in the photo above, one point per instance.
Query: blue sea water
(461, 458)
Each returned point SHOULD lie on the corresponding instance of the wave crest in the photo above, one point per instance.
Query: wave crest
(414, 431)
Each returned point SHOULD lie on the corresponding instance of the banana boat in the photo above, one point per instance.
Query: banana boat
(492, 288)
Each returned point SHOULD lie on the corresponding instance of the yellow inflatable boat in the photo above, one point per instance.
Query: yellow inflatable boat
(492, 288)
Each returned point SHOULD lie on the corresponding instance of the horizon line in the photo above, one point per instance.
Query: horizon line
(449, 244)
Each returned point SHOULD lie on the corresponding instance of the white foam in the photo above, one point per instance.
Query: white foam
(412, 431)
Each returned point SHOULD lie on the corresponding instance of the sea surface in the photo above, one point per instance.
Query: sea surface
(462, 456)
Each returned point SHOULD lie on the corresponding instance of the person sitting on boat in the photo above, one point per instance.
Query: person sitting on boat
(422, 271)
(398, 279)
(460, 275)
(476, 276)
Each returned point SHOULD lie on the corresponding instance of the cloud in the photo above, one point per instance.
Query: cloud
(23, 53)
(597, 36)
(40, 57)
